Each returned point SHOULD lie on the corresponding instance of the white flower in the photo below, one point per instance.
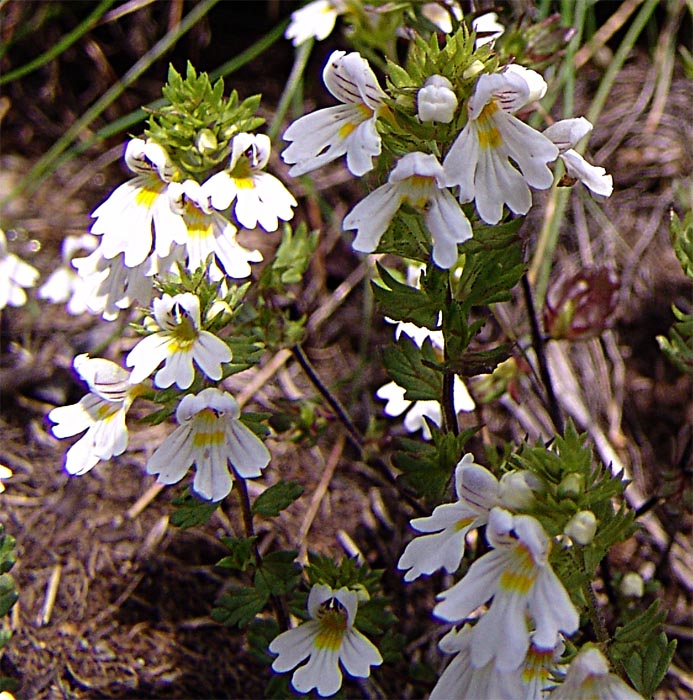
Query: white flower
(5, 473)
(588, 678)
(439, 13)
(479, 160)
(177, 344)
(15, 276)
(209, 233)
(477, 492)
(101, 413)
(517, 574)
(327, 639)
(64, 284)
(211, 436)
(260, 197)
(566, 134)
(316, 19)
(463, 681)
(488, 25)
(417, 179)
(582, 527)
(436, 101)
(137, 216)
(517, 489)
(325, 135)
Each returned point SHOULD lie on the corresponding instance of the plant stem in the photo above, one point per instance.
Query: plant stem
(278, 604)
(449, 403)
(538, 344)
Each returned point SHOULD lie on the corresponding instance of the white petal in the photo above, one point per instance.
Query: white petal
(172, 459)
(147, 355)
(448, 226)
(371, 217)
(567, 132)
(362, 145)
(592, 176)
(210, 352)
(293, 646)
(321, 672)
(428, 553)
(358, 654)
(80, 458)
(478, 585)
(246, 451)
(178, 368)
(551, 609)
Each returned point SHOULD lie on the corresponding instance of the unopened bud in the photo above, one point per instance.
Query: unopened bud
(582, 305)
(632, 585)
(517, 489)
(474, 68)
(219, 311)
(206, 141)
(582, 527)
(571, 486)
(436, 101)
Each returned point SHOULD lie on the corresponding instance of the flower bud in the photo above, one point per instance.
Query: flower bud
(571, 486)
(220, 311)
(632, 585)
(581, 527)
(206, 141)
(436, 101)
(474, 68)
(582, 305)
(517, 489)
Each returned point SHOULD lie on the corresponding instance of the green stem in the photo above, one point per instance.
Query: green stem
(278, 604)
(55, 50)
(30, 183)
(293, 84)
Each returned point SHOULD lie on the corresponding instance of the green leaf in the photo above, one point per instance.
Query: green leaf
(241, 553)
(681, 234)
(294, 254)
(191, 511)
(407, 237)
(239, 606)
(411, 368)
(276, 498)
(260, 634)
(279, 574)
(403, 302)
(8, 556)
(679, 346)
(8, 594)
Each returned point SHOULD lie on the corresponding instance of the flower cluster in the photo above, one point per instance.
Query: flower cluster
(161, 216)
(15, 276)
(492, 162)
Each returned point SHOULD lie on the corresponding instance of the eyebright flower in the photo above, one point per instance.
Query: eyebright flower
(439, 14)
(488, 26)
(177, 344)
(566, 134)
(260, 197)
(64, 284)
(436, 101)
(464, 681)
(209, 233)
(211, 436)
(479, 161)
(325, 135)
(101, 413)
(417, 179)
(588, 677)
(138, 216)
(327, 639)
(477, 491)
(517, 574)
(15, 276)
(316, 19)
(5, 473)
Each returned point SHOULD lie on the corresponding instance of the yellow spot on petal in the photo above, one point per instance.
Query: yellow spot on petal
(146, 197)
(489, 136)
(462, 523)
(333, 624)
(244, 183)
(521, 577)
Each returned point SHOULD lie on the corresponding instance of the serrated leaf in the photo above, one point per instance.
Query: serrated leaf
(647, 667)
(403, 302)
(279, 574)
(239, 606)
(411, 368)
(8, 594)
(190, 511)
(241, 552)
(8, 555)
(276, 498)
(681, 234)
